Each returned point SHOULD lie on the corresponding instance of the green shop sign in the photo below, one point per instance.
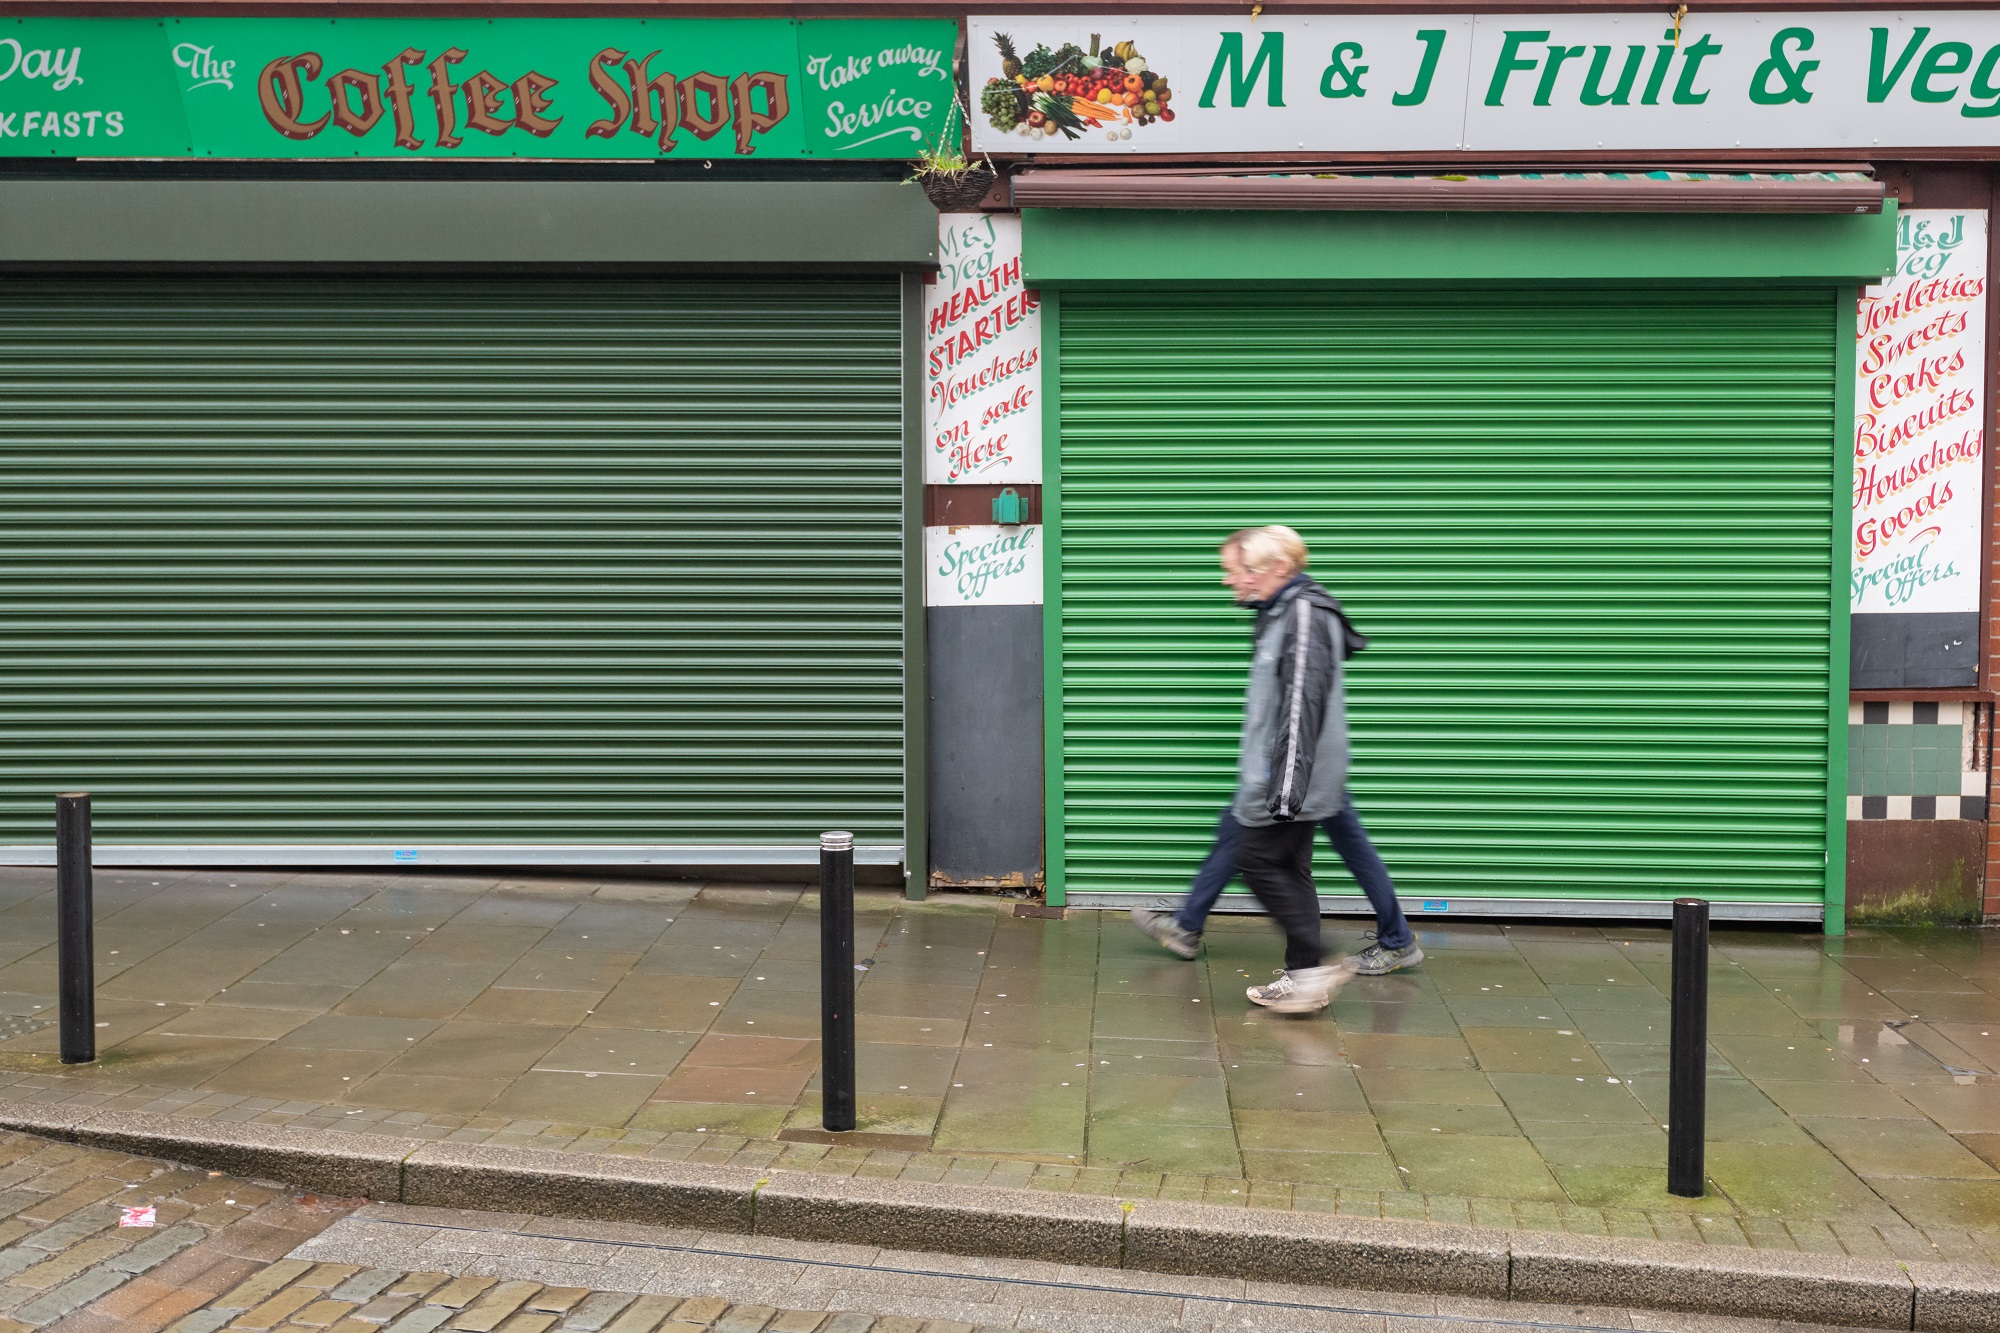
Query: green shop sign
(469, 87)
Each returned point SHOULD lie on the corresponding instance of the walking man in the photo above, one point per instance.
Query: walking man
(1265, 567)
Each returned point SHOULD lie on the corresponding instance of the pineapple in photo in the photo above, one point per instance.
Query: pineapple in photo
(1010, 62)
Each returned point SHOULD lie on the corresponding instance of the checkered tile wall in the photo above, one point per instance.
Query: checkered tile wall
(1914, 761)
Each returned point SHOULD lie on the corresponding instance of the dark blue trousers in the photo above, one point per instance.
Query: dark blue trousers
(1357, 853)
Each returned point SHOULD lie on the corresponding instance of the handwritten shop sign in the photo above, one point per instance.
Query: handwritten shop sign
(983, 566)
(463, 87)
(1434, 82)
(1920, 402)
(982, 357)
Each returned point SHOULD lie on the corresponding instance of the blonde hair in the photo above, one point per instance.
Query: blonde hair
(1260, 548)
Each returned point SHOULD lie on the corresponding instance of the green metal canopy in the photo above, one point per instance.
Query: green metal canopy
(1093, 247)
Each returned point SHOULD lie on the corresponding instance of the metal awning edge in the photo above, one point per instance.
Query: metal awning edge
(1112, 189)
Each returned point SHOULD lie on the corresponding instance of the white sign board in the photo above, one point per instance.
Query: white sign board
(983, 565)
(982, 357)
(1436, 82)
(1919, 403)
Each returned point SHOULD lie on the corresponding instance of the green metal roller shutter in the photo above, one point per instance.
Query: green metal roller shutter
(392, 563)
(1589, 532)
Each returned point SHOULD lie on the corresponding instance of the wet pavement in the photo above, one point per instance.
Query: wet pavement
(1518, 1078)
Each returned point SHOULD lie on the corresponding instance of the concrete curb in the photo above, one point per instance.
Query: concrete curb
(344, 1164)
(597, 1186)
(1149, 1235)
(956, 1219)
(1956, 1298)
(1316, 1248)
(1770, 1284)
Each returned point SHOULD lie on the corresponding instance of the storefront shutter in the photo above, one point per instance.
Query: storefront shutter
(1589, 532)
(399, 562)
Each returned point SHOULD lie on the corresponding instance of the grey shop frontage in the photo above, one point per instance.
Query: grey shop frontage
(603, 500)
(440, 441)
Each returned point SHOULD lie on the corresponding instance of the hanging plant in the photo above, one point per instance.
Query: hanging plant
(949, 180)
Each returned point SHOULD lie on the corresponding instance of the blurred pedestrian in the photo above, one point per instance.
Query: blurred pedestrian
(1292, 762)
(1394, 946)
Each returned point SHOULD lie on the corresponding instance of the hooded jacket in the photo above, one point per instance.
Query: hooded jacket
(1294, 757)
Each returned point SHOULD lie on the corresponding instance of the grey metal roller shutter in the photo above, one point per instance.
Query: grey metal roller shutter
(395, 564)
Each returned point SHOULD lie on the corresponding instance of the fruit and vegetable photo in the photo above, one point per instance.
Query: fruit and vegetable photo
(1070, 92)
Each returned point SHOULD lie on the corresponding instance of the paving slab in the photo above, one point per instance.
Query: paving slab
(1517, 1078)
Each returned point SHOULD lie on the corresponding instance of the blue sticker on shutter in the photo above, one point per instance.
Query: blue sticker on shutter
(1437, 905)
(406, 855)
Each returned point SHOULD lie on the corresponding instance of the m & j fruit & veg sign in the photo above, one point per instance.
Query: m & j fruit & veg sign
(1125, 83)
(464, 87)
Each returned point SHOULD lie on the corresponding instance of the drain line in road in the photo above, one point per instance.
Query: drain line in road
(1005, 1280)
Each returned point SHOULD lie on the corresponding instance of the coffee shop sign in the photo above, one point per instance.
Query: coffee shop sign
(630, 88)
(59, 66)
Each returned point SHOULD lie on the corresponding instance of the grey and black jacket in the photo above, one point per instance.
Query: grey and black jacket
(1294, 755)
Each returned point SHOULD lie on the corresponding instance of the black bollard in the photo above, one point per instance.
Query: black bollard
(76, 987)
(836, 980)
(1687, 1051)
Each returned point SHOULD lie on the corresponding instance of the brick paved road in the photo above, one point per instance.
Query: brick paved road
(63, 1248)
(225, 1254)
(214, 1258)
(298, 1295)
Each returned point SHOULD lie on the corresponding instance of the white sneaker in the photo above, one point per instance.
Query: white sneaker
(1306, 991)
(1169, 933)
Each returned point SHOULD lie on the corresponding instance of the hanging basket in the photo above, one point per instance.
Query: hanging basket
(958, 191)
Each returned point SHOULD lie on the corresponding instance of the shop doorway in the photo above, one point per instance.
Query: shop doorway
(1591, 534)
(312, 566)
